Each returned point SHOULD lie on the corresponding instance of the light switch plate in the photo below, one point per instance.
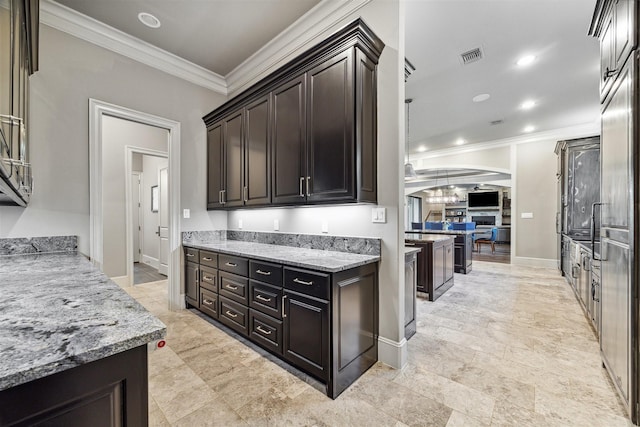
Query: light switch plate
(526, 215)
(186, 213)
(325, 226)
(379, 215)
(276, 225)
(240, 224)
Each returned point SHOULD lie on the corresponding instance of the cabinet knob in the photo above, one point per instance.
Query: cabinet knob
(609, 73)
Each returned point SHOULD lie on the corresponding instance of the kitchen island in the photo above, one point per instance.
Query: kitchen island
(463, 246)
(73, 344)
(435, 263)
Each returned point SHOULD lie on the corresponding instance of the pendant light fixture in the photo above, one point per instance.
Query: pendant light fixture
(440, 196)
(409, 171)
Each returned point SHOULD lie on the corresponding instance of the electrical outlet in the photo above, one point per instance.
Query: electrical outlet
(325, 226)
(276, 225)
(186, 213)
(240, 224)
(526, 215)
(379, 215)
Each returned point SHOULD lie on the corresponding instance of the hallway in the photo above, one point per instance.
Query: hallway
(506, 346)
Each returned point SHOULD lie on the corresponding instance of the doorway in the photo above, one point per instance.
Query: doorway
(99, 113)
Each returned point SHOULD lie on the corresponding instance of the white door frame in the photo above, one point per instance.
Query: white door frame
(140, 224)
(129, 150)
(97, 110)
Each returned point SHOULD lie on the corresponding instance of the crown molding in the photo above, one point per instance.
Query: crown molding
(578, 131)
(71, 22)
(290, 42)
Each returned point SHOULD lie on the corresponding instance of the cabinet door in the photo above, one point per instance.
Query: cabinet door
(306, 334)
(233, 194)
(624, 39)
(448, 262)
(331, 140)
(257, 162)
(288, 167)
(215, 166)
(438, 266)
(367, 129)
(191, 285)
(607, 57)
(5, 85)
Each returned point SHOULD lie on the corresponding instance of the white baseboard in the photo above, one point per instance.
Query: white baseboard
(392, 353)
(534, 262)
(153, 262)
(122, 281)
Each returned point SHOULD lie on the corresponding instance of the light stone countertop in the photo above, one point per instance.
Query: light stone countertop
(456, 232)
(411, 250)
(57, 311)
(422, 237)
(315, 259)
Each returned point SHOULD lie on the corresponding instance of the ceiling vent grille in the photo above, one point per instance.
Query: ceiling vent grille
(470, 56)
(496, 122)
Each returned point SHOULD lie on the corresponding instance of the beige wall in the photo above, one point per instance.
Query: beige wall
(385, 19)
(71, 72)
(150, 240)
(535, 192)
(491, 158)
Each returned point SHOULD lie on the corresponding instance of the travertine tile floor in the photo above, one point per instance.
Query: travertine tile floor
(506, 346)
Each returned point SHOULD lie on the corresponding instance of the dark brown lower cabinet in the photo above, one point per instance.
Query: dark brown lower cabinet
(323, 324)
(410, 285)
(191, 284)
(435, 264)
(110, 392)
(463, 253)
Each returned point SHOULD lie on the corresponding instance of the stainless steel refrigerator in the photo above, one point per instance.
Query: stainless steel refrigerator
(615, 24)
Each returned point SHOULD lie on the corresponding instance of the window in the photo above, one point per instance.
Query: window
(413, 211)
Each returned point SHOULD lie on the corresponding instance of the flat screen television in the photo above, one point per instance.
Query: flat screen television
(483, 199)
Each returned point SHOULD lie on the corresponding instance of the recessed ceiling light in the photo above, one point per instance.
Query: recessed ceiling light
(460, 141)
(452, 186)
(149, 20)
(526, 60)
(529, 129)
(481, 98)
(527, 105)
(422, 148)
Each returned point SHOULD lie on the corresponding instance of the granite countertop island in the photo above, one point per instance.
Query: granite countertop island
(59, 312)
(317, 259)
(453, 232)
(426, 237)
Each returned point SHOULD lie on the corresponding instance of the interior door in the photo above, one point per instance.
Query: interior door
(163, 190)
(136, 204)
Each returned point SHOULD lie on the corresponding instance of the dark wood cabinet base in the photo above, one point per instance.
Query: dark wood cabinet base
(109, 392)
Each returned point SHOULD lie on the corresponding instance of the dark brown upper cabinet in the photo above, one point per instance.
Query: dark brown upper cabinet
(308, 132)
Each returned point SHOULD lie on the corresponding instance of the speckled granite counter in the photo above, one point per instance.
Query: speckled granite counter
(57, 312)
(426, 237)
(452, 232)
(316, 259)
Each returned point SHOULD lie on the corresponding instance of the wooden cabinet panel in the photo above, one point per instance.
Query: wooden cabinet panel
(266, 272)
(234, 315)
(234, 287)
(624, 39)
(306, 334)
(215, 166)
(448, 262)
(330, 162)
(210, 259)
(438, 266)
(234, 161)
(208, 278)
(366, 129)
(234, 264)
(209, 303)
(265, 298)
(191, 285)
(266, 331)
(257, 166)
(289, 142)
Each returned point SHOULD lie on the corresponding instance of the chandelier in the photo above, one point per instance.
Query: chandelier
(440, 197)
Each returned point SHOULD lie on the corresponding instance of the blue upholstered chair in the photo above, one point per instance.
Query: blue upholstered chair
(487, 239)
(416, 226)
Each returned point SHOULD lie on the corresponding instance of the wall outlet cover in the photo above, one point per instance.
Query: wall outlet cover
(276, 225)
(379, 215)
(526, 215)
(240, 224)
(325, 226)
(186, 213)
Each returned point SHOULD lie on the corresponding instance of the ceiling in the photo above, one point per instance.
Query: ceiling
(215, 34)
(563, 80)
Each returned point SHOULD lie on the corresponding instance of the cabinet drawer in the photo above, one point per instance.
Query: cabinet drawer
(265, 298)
(265, 331)
(266, 272)
(209, 278)
(191, 255)
(307, 282)
(209, 303)
(234, 264)
(234, 315)
(234, 287)
(209, 259)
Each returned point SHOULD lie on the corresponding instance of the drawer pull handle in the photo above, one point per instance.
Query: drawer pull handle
(207, 302)
(207, 278)
(231, 287)
(264, 273)
(302, 282)
(206, 258)
(230, 314)
(230, 264)
(190, 255)
(259, 328)
(261, 298)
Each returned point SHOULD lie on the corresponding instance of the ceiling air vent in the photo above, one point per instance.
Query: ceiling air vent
(496, 122)
(470, 56)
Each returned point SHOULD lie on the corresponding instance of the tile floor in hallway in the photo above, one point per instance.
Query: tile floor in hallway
(506, 346)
